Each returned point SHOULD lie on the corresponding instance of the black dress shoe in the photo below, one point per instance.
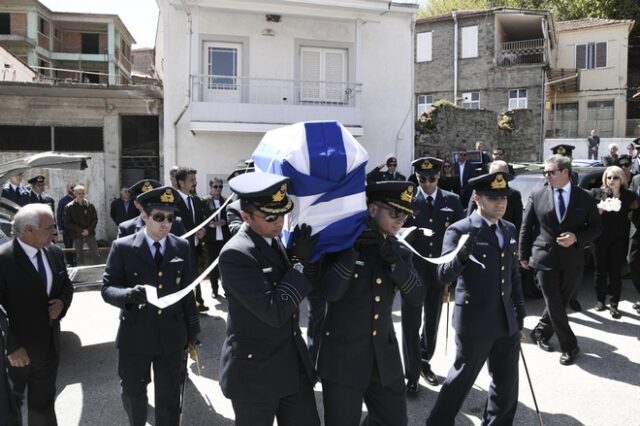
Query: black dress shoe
(568, 358)
(412, 388)
(636, 306)
(575, 305)
(541, 342)
(429, 375)
(599, 306)
(615, 313)
(202, 308)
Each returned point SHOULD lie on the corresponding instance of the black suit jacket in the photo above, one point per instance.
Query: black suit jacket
(132, 226)
(118, 212)
(24, 297)
(9, 414)
(581, 218)
(209, 209)
(468, 172)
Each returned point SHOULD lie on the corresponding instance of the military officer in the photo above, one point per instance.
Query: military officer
(434, 209)
(131, 226)
(37, 195)
(15, 191)
(359, 358)
(489, 306)
(149, 336)
(265, 368)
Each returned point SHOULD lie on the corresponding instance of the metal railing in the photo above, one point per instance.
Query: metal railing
(275, 91)
(521, 52)
(581, 129)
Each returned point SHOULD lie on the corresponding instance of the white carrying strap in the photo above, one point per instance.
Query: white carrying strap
(435, 260)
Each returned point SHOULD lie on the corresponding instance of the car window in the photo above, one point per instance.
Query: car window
(591, 181)
(525, 183)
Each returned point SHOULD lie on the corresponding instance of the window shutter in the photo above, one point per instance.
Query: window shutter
(335, 70)
(469, 42)
(581, 56)
(601, 55)
(310, 62)
(423, 47)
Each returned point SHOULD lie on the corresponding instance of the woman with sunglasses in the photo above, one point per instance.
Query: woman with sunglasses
(448, 180)
(610, 248)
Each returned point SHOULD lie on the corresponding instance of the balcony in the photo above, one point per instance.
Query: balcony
(16, 41)
(522, 52)
(255, 105)
(607, 128)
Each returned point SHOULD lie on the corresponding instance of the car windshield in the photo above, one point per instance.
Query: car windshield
(526, 183)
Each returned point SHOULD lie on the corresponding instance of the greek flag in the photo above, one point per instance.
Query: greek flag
(326, 166)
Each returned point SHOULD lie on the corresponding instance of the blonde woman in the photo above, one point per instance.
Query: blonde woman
(610, 248)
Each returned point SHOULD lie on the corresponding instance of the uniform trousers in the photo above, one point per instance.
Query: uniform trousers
(135, 374)
(557, 288)
(387, 405)
(501, 354)
(609, 256)
(291, 410)
(213, 251)
(39, 379)
(317, 311)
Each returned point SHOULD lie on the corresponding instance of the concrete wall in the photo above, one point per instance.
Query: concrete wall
(18, 22)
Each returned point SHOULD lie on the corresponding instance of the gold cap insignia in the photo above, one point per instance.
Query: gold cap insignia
(279, 196)
(561, 150)
(167, 197)
(499, 182)
(407, 194)
(40, 179)
(146, 187)
(426, 165)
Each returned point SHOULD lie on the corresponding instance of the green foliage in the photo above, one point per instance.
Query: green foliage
(444, 103)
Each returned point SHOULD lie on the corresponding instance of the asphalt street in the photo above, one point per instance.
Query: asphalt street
(602, 389)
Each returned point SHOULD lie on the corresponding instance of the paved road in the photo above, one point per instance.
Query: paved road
(603, 388)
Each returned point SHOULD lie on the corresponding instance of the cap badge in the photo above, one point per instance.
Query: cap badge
(561, 150)
(499, 182)
(167, 197)
(426, 165)
(146, 187)
(279, 196)
(407, 194)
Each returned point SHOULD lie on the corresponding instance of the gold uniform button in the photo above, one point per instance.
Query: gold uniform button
(502, 269)
(503, 281)
(502, 255)
(294, 315)
(250, 356)
(122, 318)
(295, 333)
(355, 275)
(159, 311)
(430, 220)
(377, 298)
(430, 244)
(326, 333)
(376, 316)
(160, 286)
(375, 332)
(466, 302)
(160, 273)
(135, 274)
(378, 280)
(503, 293)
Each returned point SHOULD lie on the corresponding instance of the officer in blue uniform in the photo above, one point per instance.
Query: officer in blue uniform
(489, 306)
(131, 226)
(265, 368)
(434, 209)
(359, 357)
(37, 195)
(377, 175)
(15, 191)
(149, 336)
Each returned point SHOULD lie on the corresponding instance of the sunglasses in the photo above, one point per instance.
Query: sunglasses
(446, 166)
(431, 179)
(548, 173)
(613, 177)
(497, 154)
(625, 165)
(394, 214)
(270, 217)
(392, 164)
(217, 186)
(160, 217)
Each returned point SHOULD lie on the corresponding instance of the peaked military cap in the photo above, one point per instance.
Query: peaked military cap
(241, 171)
(563, 149)
(427, 166)
(143, 186)
(164, 197)
(492, 184)
(265, 191)
(397, 194)
(36, 179)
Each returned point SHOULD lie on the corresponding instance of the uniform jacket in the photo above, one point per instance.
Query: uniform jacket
(79, 216)
(488, 302)
(24, 297)
(209, 209)
(358, 327)
(44, 199)
(263, 352)
(376, 175)
(119, 213)
(19, 196)
(146, 329)
(132, 226)
(540, 228)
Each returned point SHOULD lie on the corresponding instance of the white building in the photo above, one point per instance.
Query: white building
(234, 69)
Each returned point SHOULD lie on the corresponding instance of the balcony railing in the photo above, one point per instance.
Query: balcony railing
(521, 52)
(274, 91)
(581, 129)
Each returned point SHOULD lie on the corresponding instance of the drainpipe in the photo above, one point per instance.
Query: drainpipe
(187, 99)
(454, 15)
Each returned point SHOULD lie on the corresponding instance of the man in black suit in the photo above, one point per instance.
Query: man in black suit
(433, 209)
(489, 307)
(122, 209)
(9, 414)
(464, 171)
(559, 221)
(15, 191)
(265, 368)
(36, 293)
(149, 336)
(132, 226)
(217, 230)
(191, 212)
(37, 195)
(359, 358)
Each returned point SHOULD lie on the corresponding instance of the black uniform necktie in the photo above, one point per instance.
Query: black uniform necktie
(561, 206)
(41, 270)
(158, 255)
(430, 203)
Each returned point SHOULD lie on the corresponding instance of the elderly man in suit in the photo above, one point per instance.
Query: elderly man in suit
(122, 208)
(36, 293)
(434, 209)
(559, 221)
(489, 307)
(149, 336)
(265, 368)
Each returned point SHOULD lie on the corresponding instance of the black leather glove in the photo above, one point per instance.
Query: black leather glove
(303, 244)
(388, 254)
(137, 295)
(413, 235)
(467, 248)
(369, 237)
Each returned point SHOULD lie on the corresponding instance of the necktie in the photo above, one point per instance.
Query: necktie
(190, 207)
(41, 270)
(40, 198)
(561, 207)
(494, 228)
(158, 255)
(430, 203)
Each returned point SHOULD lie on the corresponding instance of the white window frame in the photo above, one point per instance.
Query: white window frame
(591, 51)
(469, 42)
(423, 104)
(424, 46)
(519, 101)
(471, 100)
(324, 91)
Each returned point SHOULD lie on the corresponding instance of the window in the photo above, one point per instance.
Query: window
(77, 139)
(223, 63)
(517, 98)
(600, 116)
(471, 100)
(43, 26)
(88, 77)
(90, 43)
(469, 42)
(140, 154)
(424, 103)
(591, 55)
(423, 47)
(5, 23)
(25, 138)
(324, 75)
